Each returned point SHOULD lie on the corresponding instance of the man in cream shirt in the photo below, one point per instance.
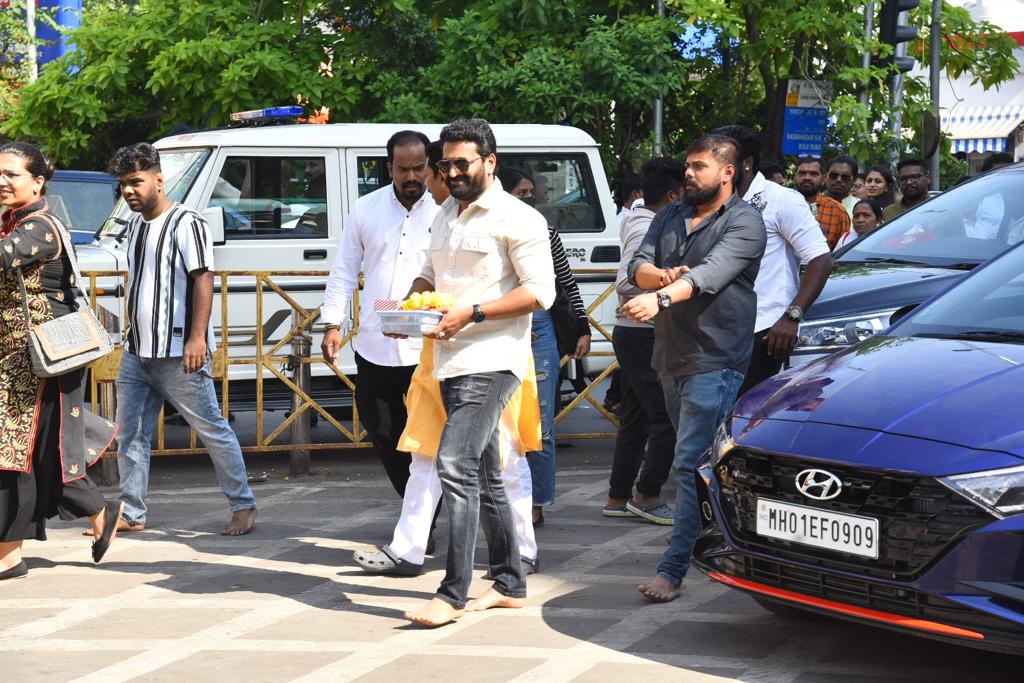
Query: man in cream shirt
(490, 251)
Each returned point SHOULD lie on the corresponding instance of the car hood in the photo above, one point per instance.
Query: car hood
(958, 392)
(861, 288)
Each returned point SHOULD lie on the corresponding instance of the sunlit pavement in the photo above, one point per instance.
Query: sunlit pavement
(180, 602)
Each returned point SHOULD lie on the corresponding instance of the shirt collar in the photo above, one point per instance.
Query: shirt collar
(756, 185)
(486, 201)
(12, 217)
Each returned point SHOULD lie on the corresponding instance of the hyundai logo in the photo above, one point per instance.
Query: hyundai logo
(818, 484)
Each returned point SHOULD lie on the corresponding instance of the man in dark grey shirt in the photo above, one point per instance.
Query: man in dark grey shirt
(698, 262)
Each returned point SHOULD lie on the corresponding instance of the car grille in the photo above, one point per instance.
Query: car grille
(919, 517)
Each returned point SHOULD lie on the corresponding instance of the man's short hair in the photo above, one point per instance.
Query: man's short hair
(435, 152)
(477, 131)
(770, 167)
(750, 143)
(724, 149)
(811, 160)
(912, 161)
(660, 176)
(141, 156)
(845, 159)
(406, 138)
(997, 159)
(627, 186)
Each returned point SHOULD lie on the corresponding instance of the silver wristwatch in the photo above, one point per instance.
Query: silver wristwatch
(664, 301)
(795, 313)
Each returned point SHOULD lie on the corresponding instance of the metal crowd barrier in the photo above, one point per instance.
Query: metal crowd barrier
(289, 360)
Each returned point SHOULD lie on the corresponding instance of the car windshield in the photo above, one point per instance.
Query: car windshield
(179, 168)
(969, 223)
(988, 305)
(82, 204)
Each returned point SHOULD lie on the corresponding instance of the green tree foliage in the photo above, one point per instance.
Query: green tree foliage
(145, 66)
(14, 42)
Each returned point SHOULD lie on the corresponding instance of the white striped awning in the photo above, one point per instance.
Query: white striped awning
(982, 129)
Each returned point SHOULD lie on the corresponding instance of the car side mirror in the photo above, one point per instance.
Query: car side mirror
(214, 217)
(901, 312)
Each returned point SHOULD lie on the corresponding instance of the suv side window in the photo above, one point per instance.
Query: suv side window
(273, 197)
(564, 189)
(372, 174)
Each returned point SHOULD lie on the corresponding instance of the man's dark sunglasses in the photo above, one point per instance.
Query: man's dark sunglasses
(913, 177)
(836, 175)
(445, 165)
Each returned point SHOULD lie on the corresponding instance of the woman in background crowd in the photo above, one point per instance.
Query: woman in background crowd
(879, 185)
(567, 313)
(867, 216)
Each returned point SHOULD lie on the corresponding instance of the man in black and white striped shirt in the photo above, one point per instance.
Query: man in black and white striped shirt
(169, 340)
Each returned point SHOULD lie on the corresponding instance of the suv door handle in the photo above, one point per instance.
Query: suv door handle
(315, 254)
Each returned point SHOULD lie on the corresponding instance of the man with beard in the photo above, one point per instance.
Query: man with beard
(915, 180)
(490, 252)
(842, 174)
(698, 263)
(386, 236)
(832, 216)
(793, 238)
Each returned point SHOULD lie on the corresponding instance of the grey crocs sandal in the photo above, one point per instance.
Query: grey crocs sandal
(384, 561)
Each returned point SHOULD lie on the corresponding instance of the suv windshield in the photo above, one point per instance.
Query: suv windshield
(988, 305)
(967, 224)
(179, 168)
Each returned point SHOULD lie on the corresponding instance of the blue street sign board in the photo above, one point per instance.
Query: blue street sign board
(804, 131)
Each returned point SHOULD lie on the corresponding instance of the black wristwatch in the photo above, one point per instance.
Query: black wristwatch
(478, 314)
(664, 301)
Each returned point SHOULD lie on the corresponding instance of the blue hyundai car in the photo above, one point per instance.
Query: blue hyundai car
(885, 484)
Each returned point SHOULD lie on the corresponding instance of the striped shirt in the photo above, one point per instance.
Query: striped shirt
(565, 281)
(161, 254)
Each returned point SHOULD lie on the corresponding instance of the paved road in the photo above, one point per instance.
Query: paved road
(180, 602)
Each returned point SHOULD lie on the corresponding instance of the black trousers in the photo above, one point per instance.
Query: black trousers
(646, 441)
(380, 399)
(28, 499)
(762, 366)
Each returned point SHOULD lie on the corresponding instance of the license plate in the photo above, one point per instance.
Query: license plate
(818, 528)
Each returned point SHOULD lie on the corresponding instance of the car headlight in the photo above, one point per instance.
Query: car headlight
(722, 444)
(835, 333)
(999, 491)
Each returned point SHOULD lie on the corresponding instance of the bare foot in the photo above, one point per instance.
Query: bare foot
(435, 613)
(492, 598)
(659, 590)
(122, 527)
(241, 523)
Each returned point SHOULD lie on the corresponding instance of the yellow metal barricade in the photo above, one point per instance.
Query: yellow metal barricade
(270, 356)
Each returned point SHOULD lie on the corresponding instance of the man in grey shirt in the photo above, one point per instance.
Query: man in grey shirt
(645, 443)
(698, 264)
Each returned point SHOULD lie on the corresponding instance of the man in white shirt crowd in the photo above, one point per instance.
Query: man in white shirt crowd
(490, 252)
(169, 340)
(386, 237)
(794, 238)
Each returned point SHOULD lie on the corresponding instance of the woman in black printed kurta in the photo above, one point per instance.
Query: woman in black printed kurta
(47, 437)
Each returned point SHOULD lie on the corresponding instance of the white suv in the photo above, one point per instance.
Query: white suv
(277, 198)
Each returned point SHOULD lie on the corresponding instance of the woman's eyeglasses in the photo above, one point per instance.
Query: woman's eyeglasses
(445, 165)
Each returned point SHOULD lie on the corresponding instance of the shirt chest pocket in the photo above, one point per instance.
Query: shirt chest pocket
(478, 257)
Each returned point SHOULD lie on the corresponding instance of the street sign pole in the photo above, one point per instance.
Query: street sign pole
(869, 30)
(659, 134)
(30, 25)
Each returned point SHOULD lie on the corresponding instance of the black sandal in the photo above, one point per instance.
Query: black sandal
(102, 544)
(18, 571)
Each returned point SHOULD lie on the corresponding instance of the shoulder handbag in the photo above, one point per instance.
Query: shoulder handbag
(564, 319)
(71, 341)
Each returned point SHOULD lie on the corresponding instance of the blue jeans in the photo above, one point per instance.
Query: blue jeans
(696, 405)
(546, 363)
(469, 467)
(143, 385)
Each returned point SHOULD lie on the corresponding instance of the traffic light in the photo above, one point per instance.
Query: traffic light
(893, 31)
